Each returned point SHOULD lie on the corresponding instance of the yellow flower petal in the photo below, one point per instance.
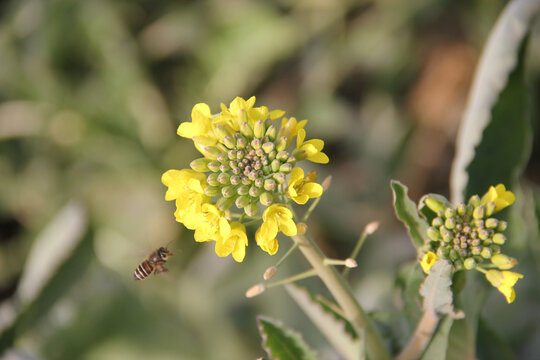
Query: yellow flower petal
(504, 281)
(428, 260)
(500, 196)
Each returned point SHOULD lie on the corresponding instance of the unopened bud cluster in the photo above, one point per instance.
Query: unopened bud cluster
(466, 235)
(246, 167)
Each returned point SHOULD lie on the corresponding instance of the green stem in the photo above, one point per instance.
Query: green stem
(311, 208)
(356, 250)
(301, 276)
(344, 297)
(421, 337)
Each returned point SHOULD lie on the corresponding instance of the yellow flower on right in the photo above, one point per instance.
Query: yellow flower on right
(504, 281)
(500, 197)
(301, 189)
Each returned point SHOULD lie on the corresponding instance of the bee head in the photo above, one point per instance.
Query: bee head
(164, 253)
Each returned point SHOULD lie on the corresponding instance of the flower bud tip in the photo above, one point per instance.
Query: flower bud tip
(327, 182)
(371, 227)
(302, 228)
(350, 263)
(255, 290)
(269, 273)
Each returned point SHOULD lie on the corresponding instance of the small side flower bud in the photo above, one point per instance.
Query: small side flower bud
(302, 228)
(200, 165)
(246, 130)
(269, 273)
(242, 201)
(251, 209)
(255, 290)
(224, 203)
(350, 263)
(266, 198)
(474, 200)
(211, 191)
(479, 212)
(433, 234)
(434, 204)
(469, 263)
(326, 183)
(485, 253)
(214, 166)
(491, 223)
(268, 147)
(271, 132)
(259, 129)
(281, 144)
(371, 227)
(499, 239)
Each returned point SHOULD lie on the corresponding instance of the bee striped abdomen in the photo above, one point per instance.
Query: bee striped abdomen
(143, 270)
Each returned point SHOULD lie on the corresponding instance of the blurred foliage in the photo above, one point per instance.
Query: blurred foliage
(91, 93)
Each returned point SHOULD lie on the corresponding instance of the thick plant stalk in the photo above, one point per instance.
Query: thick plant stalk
(497, 61)
(421, 337)
(343, 295)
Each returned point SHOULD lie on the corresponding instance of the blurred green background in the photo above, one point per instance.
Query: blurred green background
(91, 94)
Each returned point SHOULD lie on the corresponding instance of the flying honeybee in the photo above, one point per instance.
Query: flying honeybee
(154, 263)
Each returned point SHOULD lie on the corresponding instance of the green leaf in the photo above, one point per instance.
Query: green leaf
(281, 343)
(506, 141)
(461, 341)
(438, 346)
(494, 136)
(490, 345)
(407, 212)
(330, 322)
(409, 279)
(436, 289)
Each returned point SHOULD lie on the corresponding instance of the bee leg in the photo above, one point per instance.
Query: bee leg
(160, 268)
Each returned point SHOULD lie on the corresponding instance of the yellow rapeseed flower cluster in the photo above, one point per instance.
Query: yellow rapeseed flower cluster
(468, 236)
(247, 164)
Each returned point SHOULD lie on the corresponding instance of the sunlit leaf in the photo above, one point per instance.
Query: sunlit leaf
(337, 330)
(407, 212)
(281, 343)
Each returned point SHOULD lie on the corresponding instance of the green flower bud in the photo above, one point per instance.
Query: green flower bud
(453, 255)
(272, 155)
(235, 179)
(280, 178)
(256, 143)
(224, 178)
(224, 168)
(458, 264)
(269, 184)
(469, 263)
(229, 142)
(434, 204)
(437, 222)
(254, 191)
(490, 208)
(483, 234)
(442, 252)
(228, 191)
(212, 191)
(461, 209)
(200, 164)
(223, 157)
(222, 132)
(275, 164)
(212, 152)
(491, 223)
(266, 198)
(246, 181)
(474, 200)
(246, 130)
(224, 203)
(214, 166)
(502, 226)
(433, 234)
(479, 212)
(449, 213)
(259, 129)
(475, 250)
(282, 156)
(241, 142)
(212, 180)
(450, 223)
(271, 132)
(242, 201)
(281, 144)
(268, 147)
(285, 168)
(485, 253)
(499, 239)
(251, 209)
